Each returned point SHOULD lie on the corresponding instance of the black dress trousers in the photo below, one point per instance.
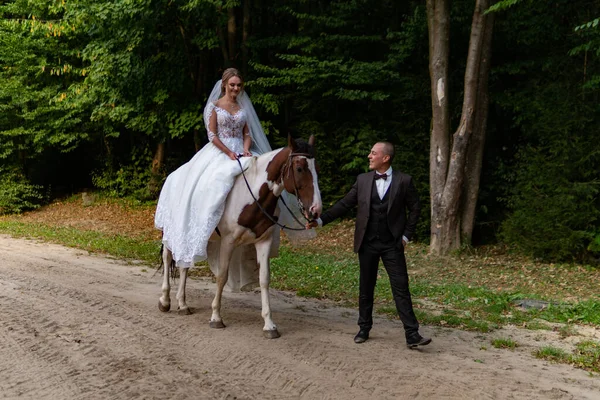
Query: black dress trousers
(394, 262)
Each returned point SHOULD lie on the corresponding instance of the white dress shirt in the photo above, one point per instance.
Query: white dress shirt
(383, 184)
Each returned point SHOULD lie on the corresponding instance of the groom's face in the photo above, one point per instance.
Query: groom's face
(377, 158)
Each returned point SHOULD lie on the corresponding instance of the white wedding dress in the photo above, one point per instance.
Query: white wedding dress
(192, 199)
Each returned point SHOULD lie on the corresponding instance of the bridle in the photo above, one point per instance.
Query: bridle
(287, 166)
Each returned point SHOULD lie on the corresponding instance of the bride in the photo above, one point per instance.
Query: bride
(192, 199)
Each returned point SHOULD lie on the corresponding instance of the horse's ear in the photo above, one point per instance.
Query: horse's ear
(291, 143)
(311, 140)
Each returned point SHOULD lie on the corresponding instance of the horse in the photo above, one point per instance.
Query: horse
(250, 218)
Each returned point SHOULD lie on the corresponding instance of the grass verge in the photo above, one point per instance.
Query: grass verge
(585, 356)
(96, 242)
(334, 276)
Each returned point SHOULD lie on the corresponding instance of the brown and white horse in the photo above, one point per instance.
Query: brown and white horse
(291, 168)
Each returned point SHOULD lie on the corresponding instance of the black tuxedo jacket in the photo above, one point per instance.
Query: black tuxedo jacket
(403, 198)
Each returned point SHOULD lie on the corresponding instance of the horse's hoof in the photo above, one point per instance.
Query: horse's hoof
(272, 334)
(164, 308)
(217, 324)
(184, 311)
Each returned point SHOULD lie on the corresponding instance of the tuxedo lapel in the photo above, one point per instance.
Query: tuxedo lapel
(367, 187)
(393, 188)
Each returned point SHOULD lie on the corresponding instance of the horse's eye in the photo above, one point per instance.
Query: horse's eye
(299, 169)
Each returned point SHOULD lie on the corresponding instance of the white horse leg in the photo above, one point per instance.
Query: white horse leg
(164, 302)
(222, 276)
(182, 308)
(262, 255)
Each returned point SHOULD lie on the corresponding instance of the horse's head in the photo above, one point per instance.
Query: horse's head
(300, 176)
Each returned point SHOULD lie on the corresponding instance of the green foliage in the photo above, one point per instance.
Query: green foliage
(39, 63)
(17, 194)
(557, 205)
(503, 5)
(590, 35)
(594, 245)
(351, 81)
(552, 188)
(129, 180)
(76, 74)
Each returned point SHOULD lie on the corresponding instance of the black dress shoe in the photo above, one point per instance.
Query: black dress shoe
(415, 340)
(361, 336)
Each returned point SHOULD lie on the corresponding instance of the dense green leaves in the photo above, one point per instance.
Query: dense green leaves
(553, 195)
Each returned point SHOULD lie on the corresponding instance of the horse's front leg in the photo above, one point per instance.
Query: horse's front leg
(182, 308)
(224, 257)
(164, 302)
(262, 255)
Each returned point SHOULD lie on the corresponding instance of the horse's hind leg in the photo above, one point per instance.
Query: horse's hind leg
(224, 257)
(164, 302)
(182, 308)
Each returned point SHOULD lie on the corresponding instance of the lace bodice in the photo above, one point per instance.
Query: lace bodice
(228, 125)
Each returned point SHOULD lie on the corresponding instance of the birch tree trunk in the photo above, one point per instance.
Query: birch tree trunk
(448, 159)
(438, 22)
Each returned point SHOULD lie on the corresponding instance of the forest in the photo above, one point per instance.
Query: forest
(493, 106)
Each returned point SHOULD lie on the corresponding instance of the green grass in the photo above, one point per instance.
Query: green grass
(334, 276)
(320, 276)
(504, 343)
(585, 356)
(552, 354)
(115, 245)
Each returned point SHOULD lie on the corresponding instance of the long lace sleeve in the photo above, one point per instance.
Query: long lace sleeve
(208, 112)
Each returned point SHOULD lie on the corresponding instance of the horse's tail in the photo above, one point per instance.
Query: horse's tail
(173, 271)
(162, 263)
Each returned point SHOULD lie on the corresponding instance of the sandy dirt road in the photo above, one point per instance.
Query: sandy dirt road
(75, 326)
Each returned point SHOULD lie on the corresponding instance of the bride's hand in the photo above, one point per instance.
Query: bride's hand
(232, 155)
(247, 153)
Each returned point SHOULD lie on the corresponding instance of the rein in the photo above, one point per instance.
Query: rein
(300, 205)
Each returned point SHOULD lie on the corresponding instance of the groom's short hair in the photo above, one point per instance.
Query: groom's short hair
(388, 150)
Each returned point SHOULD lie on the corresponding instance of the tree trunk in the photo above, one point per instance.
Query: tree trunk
(157, 164)
(223, 43)
(231, 35)
(438, 21)
(476, 147)
(245, 35)
(448, 169)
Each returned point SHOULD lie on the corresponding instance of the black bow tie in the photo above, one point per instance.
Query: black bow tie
(378, 176)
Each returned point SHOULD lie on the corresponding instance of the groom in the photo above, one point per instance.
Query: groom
(382, 230)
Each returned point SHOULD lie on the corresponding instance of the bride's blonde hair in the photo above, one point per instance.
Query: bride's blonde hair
(227, 75)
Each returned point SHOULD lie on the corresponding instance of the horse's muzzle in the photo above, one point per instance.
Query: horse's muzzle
(312, 216)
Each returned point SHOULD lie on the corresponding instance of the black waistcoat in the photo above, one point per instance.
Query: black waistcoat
(377, 226)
